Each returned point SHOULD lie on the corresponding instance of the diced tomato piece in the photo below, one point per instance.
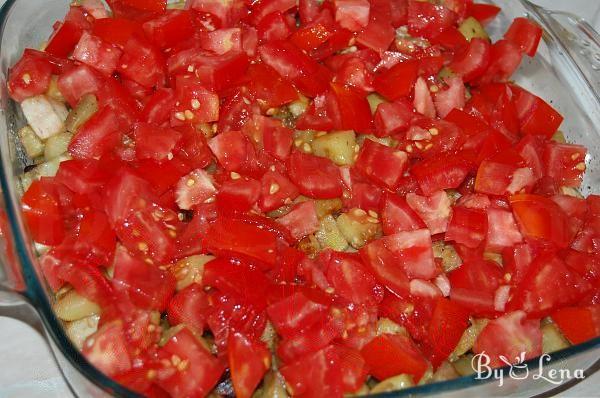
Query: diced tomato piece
(578, 324)
(76, 82)
(444, 172)
(276, 189)
(414, 250)
(153, 142)
(93, 51)
(512, 337)
(352, 280)
(227, 236)
(248, 362)
(29, 77)
(238, 196)
(398, 81)
(398, 216)
(379, 33)
(353, 368)
(352, 14)
(202, 370)
(231, 150)
(541, 218)
(502, 230)
(484, 13)
(147, 286)
(451, 98)
(392, 118)
(291, 63)
(472, 62)
(427, 19)
(194, 189)
(389, 355)
(267, 86)
(448, 322)
(353, 107)
(383, 165)
(536, 115)
(189, 307)
(142, 63)
(42, 212)
(467, 227)
(296, 313)
(170, 29)
(302, 220)
(386, 268)
(97, 136)
(526, 34)
(314, 375)
(107, 349)
(64, 39)
(434, 210)
(548, 285)
(116, 31)
(311, 340)
(565, 163)
(314, 176)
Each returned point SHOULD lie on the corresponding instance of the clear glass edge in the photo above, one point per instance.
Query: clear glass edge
(36, 294)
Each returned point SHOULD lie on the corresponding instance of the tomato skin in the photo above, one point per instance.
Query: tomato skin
(390, 355)
(578, 324)
(448, 322)
(63, 40)
(397, 81)
(169, 29)
(536, 115)
(505, 59)
(97, 136)
(353, 107)
(510, 336)
(29, 77)
(444, 172)
(42, 212)
(248, 362)
(383, 165)
(541, 218)
(233, 236)
(315, 177)
(526, 34)
(484, 13)
(467, 227)
(200, 376)
(295, 313)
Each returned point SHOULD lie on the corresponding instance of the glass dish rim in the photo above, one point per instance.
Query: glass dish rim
(36, 294)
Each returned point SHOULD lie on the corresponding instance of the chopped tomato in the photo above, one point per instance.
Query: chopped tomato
(541, 218)
(314, 176)
(386, 268)
(29, 77)
(472, 62)
(390, 355)
(397, 81)
(510, 339)
(64, 39)
(434, 210)
(578, 324)
(107, 349)
(95, 52)
(43, 213)
(565, 163)
(97, 136)
(414, 251)
(248, 362)
(302, 220)
(383, 165)
(315, 375)
(398, 216)
(351, 280)
(467, 227)
(448, 323)
(295, 313)
(526, 34)
(200, 372)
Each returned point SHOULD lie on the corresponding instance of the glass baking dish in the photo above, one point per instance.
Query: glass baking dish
(565, 71)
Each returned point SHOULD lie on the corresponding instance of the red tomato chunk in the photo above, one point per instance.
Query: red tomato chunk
(343, 188)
